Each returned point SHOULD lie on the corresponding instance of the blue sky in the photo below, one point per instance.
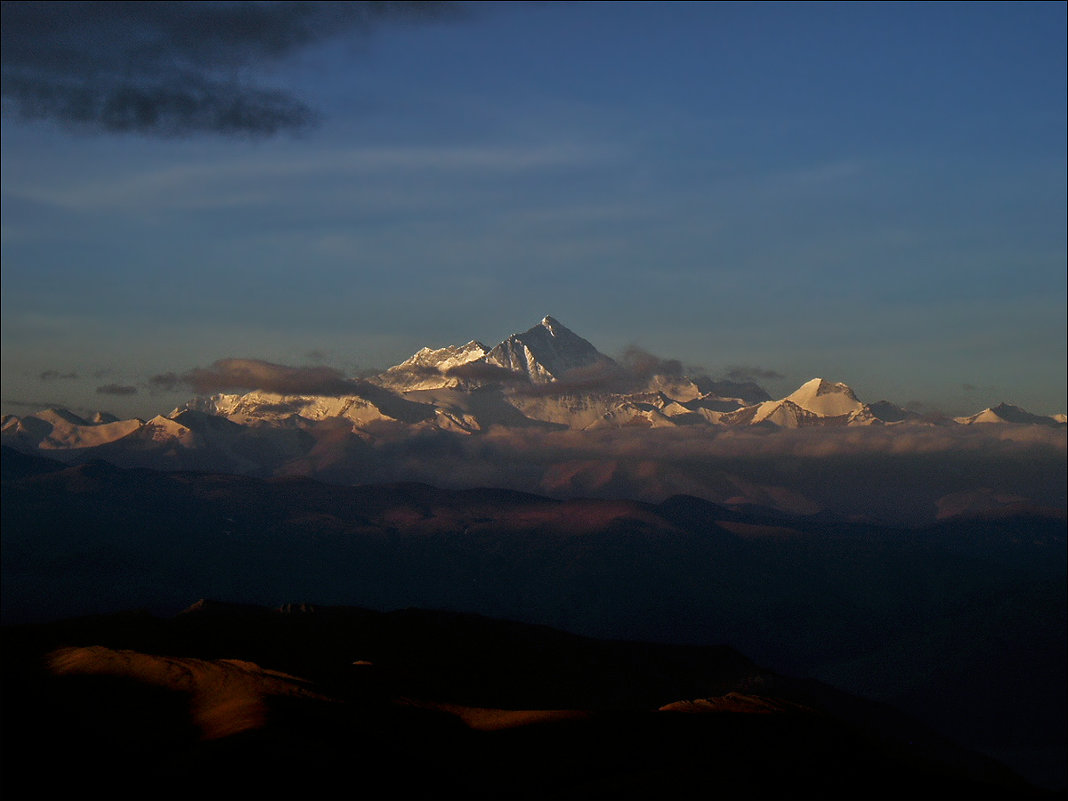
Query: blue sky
(871, 193)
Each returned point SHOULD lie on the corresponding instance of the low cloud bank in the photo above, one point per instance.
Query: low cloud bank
(888, 474)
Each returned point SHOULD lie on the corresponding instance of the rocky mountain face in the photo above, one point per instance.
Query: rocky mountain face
(547, 352)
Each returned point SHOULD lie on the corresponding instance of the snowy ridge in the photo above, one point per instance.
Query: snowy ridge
(60, 429)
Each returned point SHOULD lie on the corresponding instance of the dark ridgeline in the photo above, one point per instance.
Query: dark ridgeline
(345, 702)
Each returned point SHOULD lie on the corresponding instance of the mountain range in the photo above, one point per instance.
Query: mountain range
(547, 377)
(545, 411)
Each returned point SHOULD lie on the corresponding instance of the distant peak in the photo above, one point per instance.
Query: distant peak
(1008, 413)
(824, 398)
(1005, 407)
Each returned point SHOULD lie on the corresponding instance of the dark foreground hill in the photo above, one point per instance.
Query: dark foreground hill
(961, 624)
(227, 701)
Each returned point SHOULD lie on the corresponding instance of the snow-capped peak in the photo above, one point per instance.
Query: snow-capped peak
(545, 352)
(824, 398)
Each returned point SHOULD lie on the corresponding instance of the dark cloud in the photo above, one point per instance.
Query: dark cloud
(483, 371)
(165, 382)
(928, 413)
(55, 375)
(599, 377)
(643, 365)
(171, 69)
(421, 371)
(476, 371)
(254, 374)
(116, 389)
(988, 389)
(632, 373)
(744, 373)
(365, 372)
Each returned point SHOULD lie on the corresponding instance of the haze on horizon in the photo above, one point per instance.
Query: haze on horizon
(874, 194)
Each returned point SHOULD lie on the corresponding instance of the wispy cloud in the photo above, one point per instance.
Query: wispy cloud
(56, 375)
(246, 181)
